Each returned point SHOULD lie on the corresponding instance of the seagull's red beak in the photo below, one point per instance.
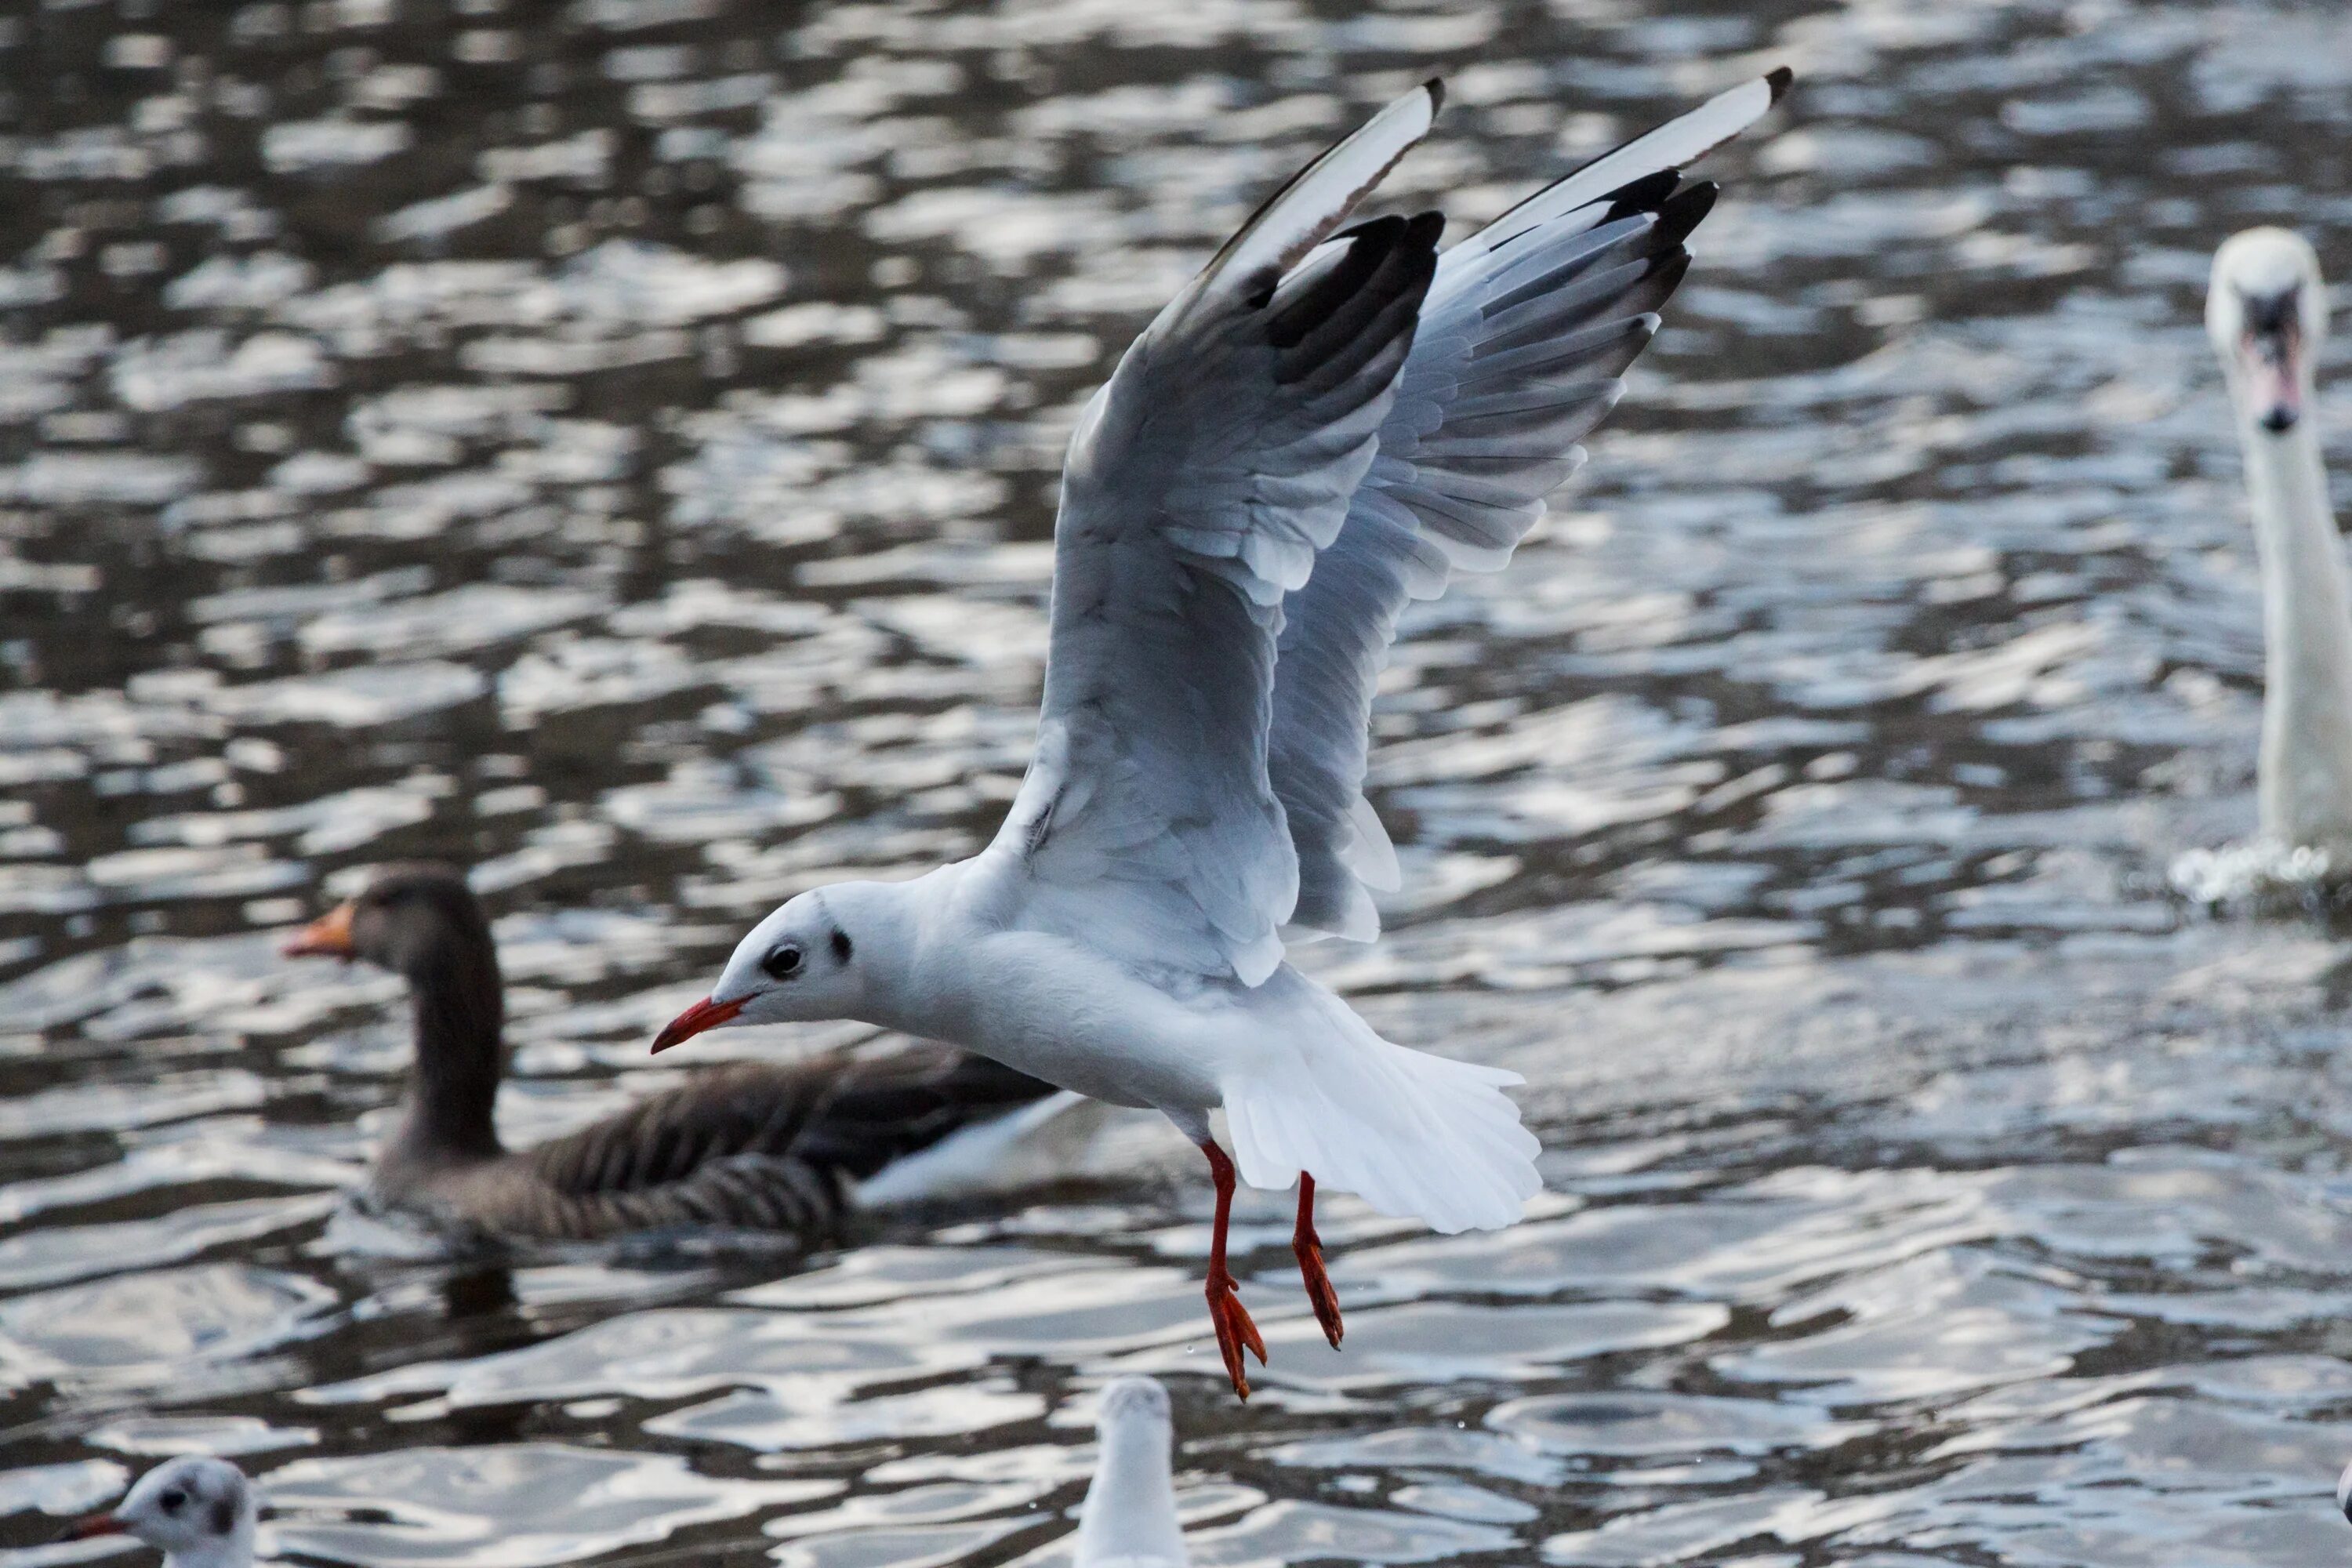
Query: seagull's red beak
(91, 1524)
(329, 936)
(704, 1015)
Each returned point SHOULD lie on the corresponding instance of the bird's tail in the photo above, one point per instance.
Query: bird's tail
(1412, 1135)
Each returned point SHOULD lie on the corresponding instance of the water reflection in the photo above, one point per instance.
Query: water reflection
(614, 444)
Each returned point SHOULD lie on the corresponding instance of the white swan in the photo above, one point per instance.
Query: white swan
(1129, 1520)
(2267, 311)
(199, 1512)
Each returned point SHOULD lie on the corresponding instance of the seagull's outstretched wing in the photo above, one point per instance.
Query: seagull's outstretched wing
(1201, 483)
(1522, 338)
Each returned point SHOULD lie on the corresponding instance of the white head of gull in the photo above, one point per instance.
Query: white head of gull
(1129, 1520)
(199, 1512)
(1321, 427)
(2267, 313)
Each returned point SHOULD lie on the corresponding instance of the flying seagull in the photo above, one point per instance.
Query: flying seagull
(1322, 427)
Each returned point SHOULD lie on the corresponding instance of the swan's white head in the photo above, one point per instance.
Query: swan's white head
(2266, 311)
(805, 962)
(198, 1511)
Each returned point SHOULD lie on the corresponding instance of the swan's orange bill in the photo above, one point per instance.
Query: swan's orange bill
(329, 936)
(704, 1015)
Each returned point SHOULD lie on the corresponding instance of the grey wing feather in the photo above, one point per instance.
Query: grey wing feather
(1201, 483)
(1526, 331)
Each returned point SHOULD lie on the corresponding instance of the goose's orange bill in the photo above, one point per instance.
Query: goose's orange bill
(329, 936)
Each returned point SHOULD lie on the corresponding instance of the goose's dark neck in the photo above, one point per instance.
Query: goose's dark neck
(460, 1050)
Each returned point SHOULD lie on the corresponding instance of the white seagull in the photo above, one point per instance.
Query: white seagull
(1318, 429)
(2266, 312)
(199, 1512)
(1129, 1520)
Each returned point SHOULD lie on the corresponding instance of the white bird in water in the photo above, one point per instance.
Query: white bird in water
(199, 1512)
(2267, 312)
(1318, 429)
(1129, 1520)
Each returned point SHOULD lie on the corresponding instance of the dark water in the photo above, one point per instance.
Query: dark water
(614, 443)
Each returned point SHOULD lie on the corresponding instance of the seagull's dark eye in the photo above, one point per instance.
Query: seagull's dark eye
(173, 1502)
(783, 961)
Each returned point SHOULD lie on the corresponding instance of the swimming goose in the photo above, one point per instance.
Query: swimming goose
(2266, 311)
(1339, 401)
(753, 1146)
(1129, 1520)
(199, 1512)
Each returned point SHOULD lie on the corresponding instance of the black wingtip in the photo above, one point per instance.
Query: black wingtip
(1681, 212)
(1641, 195)
(1435, 87)
(1779, 79)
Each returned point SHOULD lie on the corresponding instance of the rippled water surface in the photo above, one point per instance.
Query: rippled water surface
(614, 443)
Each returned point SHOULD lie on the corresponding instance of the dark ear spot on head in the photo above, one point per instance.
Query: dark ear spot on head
(841, 944)
(224, 1515)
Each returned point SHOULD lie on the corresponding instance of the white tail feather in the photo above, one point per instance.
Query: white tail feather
(1411, 1134)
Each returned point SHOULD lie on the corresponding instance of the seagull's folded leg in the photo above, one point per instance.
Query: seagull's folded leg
(1227, 1314)
(1310, 1249)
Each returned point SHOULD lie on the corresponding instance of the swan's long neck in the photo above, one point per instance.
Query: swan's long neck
(1130, 1506)
(2305, 781)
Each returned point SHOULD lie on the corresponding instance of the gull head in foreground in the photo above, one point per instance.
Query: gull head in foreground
(1129, 1520)
(200, 1513)
(1325, 424)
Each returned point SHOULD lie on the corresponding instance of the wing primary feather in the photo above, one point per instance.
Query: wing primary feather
(1315, 201)
(1641, 195)
(1331, 289)
(1676, 145)
(1684, 211)
(1525, 334)
(1202, 485)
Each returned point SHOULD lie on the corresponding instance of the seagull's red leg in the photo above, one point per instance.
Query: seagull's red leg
(1231, 1320)
(1310, 1249)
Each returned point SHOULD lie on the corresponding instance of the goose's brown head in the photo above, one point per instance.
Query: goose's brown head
(409, 916)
